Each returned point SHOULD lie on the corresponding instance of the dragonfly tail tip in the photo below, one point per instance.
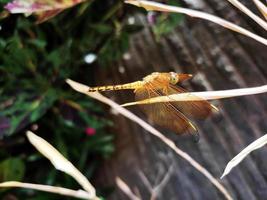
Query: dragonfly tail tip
(194, 133)
(196, 136)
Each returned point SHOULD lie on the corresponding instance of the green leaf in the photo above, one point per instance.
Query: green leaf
(103, 28)
(38, 43)
(39, 107)
(166, 22)
(27, 109)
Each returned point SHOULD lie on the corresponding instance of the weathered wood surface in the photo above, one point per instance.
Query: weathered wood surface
(219, 59)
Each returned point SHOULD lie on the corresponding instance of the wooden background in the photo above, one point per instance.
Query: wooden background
(218, 59)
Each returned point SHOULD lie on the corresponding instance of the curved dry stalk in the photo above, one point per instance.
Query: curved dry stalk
(239, 157)
(157, 189)
(209, 95)
(154, 6)
(84, 89)
(81, 194)
(248, 12)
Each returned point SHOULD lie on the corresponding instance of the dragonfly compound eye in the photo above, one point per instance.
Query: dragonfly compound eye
(173, 78)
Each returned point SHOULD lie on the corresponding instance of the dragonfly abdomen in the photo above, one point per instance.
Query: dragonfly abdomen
(127, 86)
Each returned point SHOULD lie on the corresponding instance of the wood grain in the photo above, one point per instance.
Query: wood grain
(218, 59)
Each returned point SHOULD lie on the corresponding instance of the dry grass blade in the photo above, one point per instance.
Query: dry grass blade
(84, 89)
(261, 7)
(47, 188)
(239, 157)
(245, 10)
(125, 188)
(60, 162)
(210, 95)
(149, 5)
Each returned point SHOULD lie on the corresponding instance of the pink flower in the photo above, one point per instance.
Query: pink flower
(151, 17)
(90, 131)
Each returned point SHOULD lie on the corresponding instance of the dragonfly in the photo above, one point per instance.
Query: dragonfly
(174, 116)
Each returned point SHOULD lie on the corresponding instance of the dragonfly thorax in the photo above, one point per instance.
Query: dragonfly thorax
(151, 77)
(162, 78)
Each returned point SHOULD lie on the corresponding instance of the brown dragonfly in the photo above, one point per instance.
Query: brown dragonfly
(174, 116)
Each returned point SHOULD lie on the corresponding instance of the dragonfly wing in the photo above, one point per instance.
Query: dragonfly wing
(199, 109)
(164, 114)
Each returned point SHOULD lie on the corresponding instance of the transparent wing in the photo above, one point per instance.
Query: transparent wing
(164, 114)
(200, 109)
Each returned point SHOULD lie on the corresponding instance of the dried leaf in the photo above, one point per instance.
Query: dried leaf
(239, 157)
(209, 95)
(60, 162)
(43, 9)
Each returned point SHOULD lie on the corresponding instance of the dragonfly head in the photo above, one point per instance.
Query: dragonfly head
(175, 78)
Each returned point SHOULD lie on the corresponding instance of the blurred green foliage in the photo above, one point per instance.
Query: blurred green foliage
(35, 60)
(12, 169)
(164, 23)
